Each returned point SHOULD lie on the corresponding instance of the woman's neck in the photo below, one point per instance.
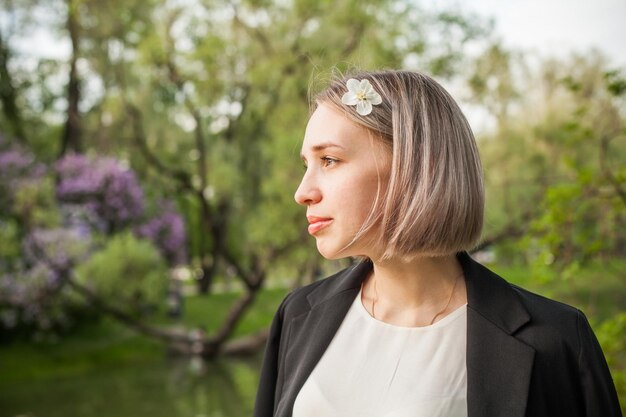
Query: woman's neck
(414, 293)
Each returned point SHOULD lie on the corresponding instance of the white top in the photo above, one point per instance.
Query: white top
(375, 369)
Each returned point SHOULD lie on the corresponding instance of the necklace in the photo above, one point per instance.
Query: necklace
(435, 316)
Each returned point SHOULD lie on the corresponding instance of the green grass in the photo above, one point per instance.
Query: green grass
(209, 313)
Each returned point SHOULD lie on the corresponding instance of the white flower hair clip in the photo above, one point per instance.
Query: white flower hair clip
(362, 94)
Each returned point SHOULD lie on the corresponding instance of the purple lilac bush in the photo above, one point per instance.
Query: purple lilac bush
(60, 248)
(166, 231)
(94, 196)
(103, 186)
(18, 168)
(32, 297)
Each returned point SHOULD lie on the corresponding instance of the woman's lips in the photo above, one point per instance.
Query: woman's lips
(317, 223)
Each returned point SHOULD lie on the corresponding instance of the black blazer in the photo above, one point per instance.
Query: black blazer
(526, 355)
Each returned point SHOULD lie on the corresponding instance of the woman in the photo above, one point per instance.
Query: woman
(416, 328)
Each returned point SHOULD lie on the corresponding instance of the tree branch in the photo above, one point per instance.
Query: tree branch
(179, 175)
(139, 326)
(511, 231)
(255, 33)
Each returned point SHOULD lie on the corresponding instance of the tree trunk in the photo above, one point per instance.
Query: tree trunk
(72, 134)
(8, 95)
(205, 283)
(217, 223)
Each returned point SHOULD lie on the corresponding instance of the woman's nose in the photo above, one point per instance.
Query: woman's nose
(308, 192)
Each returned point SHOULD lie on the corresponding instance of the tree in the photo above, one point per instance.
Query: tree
(206, 102)
(553, 164)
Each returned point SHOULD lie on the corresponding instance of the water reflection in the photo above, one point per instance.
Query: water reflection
(173, 388)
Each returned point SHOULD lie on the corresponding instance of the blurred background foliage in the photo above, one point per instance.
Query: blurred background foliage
(147, 177)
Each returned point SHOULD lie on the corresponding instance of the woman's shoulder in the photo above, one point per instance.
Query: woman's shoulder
(541, 322)
(542, 306)
(553, 323)
(302, 298)
(494, 296)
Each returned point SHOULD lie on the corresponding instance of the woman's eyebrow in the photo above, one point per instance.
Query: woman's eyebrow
(322, 146)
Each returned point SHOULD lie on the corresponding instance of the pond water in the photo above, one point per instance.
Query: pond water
(173, 388)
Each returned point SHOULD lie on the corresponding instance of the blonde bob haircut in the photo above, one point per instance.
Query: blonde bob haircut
(434, 201)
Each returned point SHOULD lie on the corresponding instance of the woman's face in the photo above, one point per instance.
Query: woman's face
(344, 166)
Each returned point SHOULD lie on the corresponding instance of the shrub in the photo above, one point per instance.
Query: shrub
(128, 273)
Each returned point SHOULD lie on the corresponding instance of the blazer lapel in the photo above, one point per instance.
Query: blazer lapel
(311, 332)
(499, 366)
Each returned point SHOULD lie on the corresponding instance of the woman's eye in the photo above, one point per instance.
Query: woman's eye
(328, 161)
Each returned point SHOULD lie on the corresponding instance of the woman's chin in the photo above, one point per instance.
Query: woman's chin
(329, 252)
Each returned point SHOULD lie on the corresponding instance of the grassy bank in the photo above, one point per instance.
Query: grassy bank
(106, 344)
